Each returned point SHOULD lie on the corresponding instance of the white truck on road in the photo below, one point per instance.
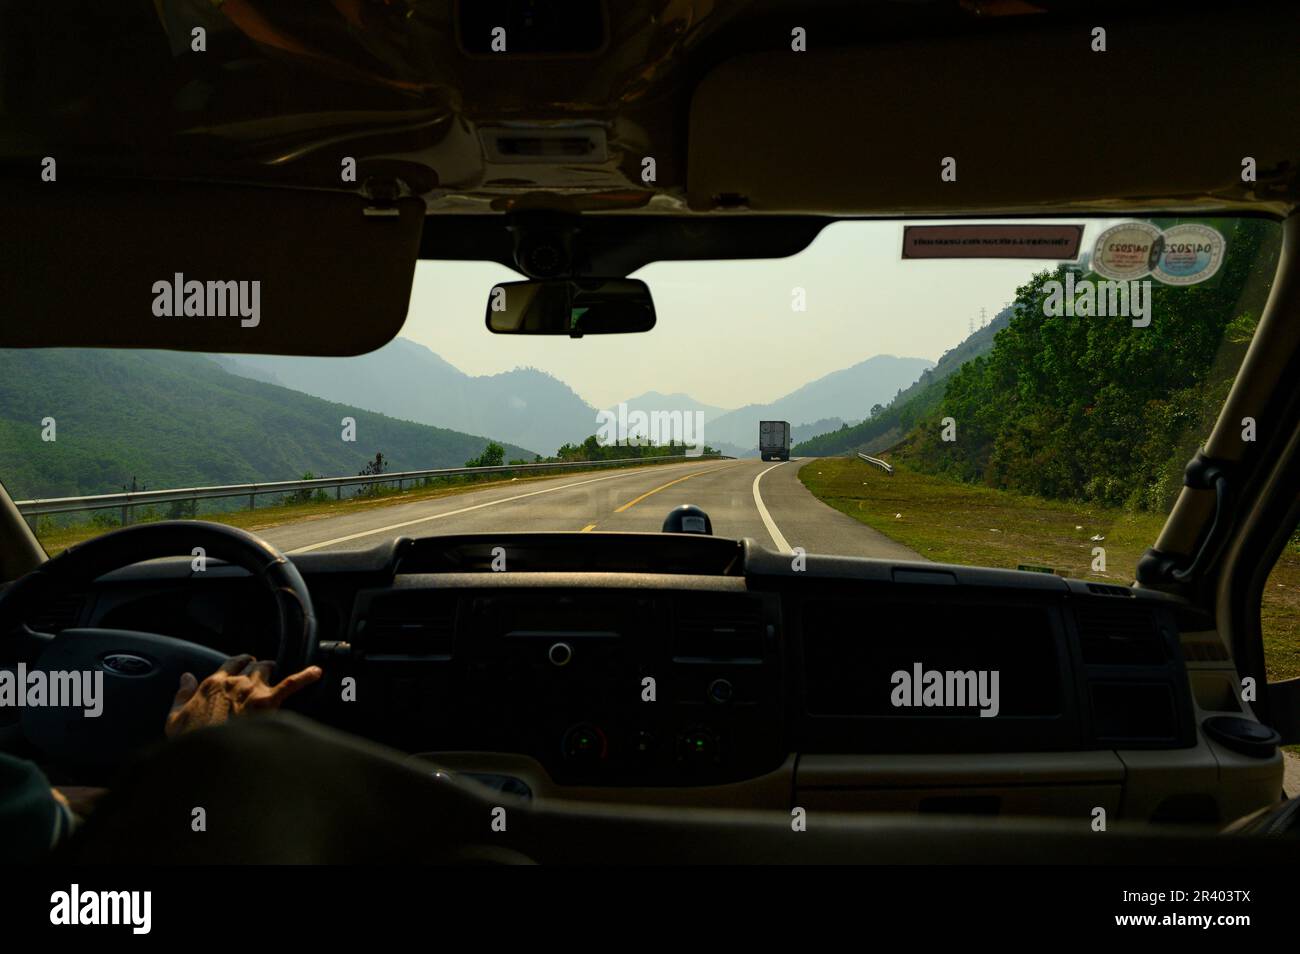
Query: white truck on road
(774, 440)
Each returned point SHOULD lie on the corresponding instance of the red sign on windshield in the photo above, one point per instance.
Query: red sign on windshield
(1056, 242)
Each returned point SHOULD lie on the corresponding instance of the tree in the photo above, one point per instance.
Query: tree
(306, 495)
(1093, 408)
(376, 466)
(183, 510)
(494, 455)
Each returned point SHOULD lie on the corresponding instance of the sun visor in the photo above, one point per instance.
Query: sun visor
(1032, 118)
(203, 268)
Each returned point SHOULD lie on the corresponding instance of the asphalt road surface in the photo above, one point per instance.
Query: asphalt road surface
(743, 498)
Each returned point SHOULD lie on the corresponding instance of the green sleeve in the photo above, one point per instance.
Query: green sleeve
(31, 820)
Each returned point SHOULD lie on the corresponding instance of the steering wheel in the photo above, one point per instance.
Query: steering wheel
(140, 671)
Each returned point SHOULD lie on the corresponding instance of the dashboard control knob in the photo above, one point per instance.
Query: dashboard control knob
(699, 746)
(585, 742)
(721, 691)
(559, 654)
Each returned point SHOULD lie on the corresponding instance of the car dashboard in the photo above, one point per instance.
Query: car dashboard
(673, 668)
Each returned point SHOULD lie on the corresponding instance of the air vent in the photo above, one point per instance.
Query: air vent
(566, 144)
(1116, 635)
(1203, 647)
(1109, 589)
(414, 624)
(718, 629)
(58, 614)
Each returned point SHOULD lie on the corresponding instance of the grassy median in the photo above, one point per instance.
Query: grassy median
(961, 523)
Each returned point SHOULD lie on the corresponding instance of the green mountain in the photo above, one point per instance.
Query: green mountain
(408, 381)
(171, 419)
(1093, 408)
(888, 423)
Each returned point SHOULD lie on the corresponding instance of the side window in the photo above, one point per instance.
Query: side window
(1279, 614)
(1279, 624)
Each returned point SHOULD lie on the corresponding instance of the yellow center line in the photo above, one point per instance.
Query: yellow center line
(651, 493)
(590, 526)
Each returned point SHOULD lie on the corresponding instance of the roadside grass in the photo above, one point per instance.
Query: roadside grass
(1279, 618)
(952, 522)
(961, 523)
(55, 539)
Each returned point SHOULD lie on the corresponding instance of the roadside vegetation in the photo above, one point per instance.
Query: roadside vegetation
(79, 421)
(1040, 438)
(884, 425)
(58, 533)
(1082, 408)
(1093, 408)
(952, 522)
(1279, 616)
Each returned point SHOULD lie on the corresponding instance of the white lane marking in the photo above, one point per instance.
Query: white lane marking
(768, 522)
(452, 513)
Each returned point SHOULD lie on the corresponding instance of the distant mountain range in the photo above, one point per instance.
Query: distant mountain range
(657, 401)
(408, 381)
(527, 406)
(170, 419)
(897, 416)
(827, 402)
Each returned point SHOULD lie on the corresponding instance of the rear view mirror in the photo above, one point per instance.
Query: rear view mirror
(573, 307)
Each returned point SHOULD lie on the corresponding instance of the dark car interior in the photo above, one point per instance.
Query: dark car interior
(646, 697)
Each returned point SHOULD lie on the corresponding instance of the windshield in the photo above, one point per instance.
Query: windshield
(884, 393)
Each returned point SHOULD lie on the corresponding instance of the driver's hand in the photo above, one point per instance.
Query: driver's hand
(240, 686)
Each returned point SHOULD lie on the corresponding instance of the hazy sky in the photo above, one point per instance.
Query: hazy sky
(726, 333)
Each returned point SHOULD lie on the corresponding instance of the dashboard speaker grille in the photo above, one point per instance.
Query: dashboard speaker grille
(716, 629)
(1114, 635)
(1203, 647)
(58, 614)
(410, 625)
(1134, 713)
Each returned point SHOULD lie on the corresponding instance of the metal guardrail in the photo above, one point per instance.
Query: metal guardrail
(130, 499)
(877, 462)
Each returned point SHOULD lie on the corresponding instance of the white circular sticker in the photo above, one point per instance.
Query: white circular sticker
(1191, 254)
(1127, 251)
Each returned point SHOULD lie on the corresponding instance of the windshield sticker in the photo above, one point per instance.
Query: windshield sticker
(1055, 242)
(1191, 254)
(1127, 251)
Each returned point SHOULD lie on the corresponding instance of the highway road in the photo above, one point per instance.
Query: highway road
(744, 498)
